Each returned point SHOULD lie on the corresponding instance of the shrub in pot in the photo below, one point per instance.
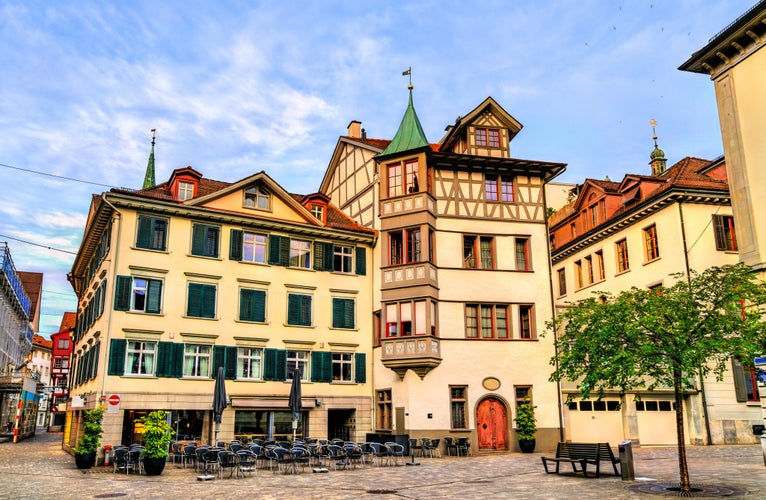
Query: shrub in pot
(90, 440)
(157, 437)
(526, 425)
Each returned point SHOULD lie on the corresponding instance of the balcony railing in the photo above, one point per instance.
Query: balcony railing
(420, 354)
(420, 273)
(415, 202)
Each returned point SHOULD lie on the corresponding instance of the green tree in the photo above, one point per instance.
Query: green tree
(663, 337)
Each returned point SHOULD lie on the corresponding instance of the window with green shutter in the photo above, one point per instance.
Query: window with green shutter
(323, 256)
(343, 313)
(235, 244)
(361, 261)
(201, 301)
(279, 250)
(274, 364)
(321, 366)
(298, 309)
(252, 305)
(152, 232)
(360, 368)
(138, 294)
(205, 240)
(117, 357)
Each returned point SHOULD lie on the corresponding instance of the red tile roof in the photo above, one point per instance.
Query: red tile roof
(68, 321)
(42, 341)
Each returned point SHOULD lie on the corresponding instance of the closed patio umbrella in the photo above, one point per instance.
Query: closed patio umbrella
(219, 400)
(295, 399)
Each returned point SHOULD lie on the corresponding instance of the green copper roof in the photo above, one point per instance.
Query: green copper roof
(149, 177)
(410, 134)
(657, 153)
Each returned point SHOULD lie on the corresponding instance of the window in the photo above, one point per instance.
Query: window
(252, 305)
(578, 274)
(523, 395)
(725, 236)
(562, 277)
(486, 321)
(398, 184)
(257, 197)
(343, 315)
(300, 254)
(397, 241)
(342, 367)
(588, 269)
(745, 381)
(408, 318)
(751, 384)
(201, 301)
(525, 322)
(317, 211)
(498, 188)
(152, 233)
(457, 407)
(138, 294)
(651, 249)
(140, 358)
(205, 240)
(298, 360)
(185, 190)
(600, 275)
(481, 247)
(249, 363)
(621, 249)
(384, 413)
(593, 214)
(299, 309)
(342, 259)
(196, 360)
(487, 137)
(63, 344)
(254, 247)
(522, 254)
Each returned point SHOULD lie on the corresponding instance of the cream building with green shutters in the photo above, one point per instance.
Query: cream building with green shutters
(178, 279)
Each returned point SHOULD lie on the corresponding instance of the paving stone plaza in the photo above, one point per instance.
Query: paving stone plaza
(37, 468)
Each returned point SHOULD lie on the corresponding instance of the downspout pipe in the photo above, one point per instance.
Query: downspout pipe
(709, 439)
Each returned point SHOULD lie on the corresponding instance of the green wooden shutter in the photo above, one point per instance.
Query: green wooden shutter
(194, 300)
(153, 296)
(252, 305)
(219, 359)
(293, 309)
(360, 368)
(342, 313)
(230, 371)
(306, 310)
(719, 231)
(177, 361)
(235, 244)
(164, 359)
(245, 305)
(117, 357)
(208, 301)
(316, 366)
(122, 294)
(198, 239)
(96, 355)
(284, 252)
(144, 239)
(361, 261)
(274, 249)
(740, 385)
(319, 256)
(274, 364)
(349, 314)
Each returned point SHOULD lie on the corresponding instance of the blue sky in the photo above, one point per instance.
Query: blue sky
(236, 87)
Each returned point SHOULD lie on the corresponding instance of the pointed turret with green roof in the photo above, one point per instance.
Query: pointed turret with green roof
(149, 176)
(410, 135)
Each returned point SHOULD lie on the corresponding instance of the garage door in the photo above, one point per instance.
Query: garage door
(656, 421)
(595, 421)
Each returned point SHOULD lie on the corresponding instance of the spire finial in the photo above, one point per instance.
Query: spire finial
(653, 124)
(657, 157)
(408, 72)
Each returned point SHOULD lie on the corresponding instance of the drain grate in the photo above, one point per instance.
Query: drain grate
(698, 490)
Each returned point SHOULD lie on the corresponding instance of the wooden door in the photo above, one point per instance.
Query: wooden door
(492, 422)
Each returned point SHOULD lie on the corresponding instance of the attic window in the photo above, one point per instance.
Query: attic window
(487, 137)
(318, 212)
(185, 190)
(257, 197)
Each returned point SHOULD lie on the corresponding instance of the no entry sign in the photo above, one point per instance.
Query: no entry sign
(113, 403)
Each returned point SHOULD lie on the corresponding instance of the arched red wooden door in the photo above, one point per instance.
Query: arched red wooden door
(491, 417)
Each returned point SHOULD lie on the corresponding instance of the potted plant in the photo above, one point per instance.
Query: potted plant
(157, 437)
(526, 425)
(87, 445)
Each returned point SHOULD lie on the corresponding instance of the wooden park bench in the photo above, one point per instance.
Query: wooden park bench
(582, 454)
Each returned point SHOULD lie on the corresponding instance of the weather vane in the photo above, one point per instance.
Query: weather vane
(653, 124)
(408, 72)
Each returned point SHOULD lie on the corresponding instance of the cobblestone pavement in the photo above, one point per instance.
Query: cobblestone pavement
(37, 468)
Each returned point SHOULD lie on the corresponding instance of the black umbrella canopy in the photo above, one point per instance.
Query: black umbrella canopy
(219, 396)
(295, 394)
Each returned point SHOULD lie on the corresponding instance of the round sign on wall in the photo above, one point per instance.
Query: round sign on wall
(114, 399)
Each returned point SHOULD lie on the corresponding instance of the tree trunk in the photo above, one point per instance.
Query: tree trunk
(683, 469)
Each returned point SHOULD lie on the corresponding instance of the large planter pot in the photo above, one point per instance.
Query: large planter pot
(85, 460)
(527, 445)
(154, 466)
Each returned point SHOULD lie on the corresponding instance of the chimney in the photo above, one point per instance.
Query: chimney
(354, 129)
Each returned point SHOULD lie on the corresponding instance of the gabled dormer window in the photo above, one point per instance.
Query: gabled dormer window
(185, 190)
(487, 137)
(257, 197)
(318, 212)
